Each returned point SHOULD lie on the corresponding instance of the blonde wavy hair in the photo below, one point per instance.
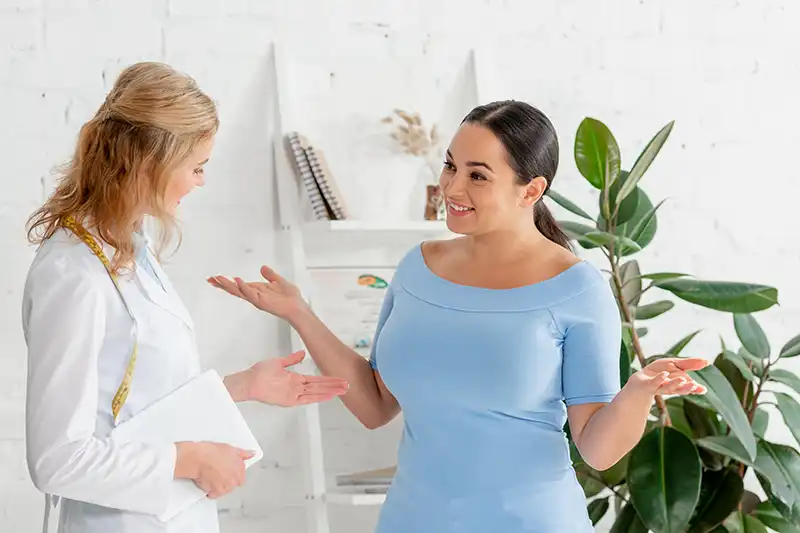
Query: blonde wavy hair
(152, 119)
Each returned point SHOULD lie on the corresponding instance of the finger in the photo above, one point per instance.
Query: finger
(249, 293)
(659, 379)
(245, 454)
(690, 363)
(293, 358)
(227, 285)
(328, 380)
(314, 398)
(270, 275)
(325, 388)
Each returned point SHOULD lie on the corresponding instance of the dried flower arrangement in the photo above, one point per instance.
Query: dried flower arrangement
(417, 140)
(414, 137)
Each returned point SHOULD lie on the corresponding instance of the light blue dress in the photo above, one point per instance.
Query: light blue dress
(484, 377)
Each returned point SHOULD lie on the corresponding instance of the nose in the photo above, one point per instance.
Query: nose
(454, 185)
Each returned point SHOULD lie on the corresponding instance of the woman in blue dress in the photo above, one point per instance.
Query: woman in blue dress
(489, 343)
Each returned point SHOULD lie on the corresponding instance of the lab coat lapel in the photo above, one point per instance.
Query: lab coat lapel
(162, 293)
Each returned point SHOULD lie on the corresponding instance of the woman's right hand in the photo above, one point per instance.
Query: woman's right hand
(216, 468)
(276, 296)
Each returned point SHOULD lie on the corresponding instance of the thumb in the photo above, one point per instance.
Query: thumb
(294, 358)
(658, 380)
(270, 275)
(246, 454)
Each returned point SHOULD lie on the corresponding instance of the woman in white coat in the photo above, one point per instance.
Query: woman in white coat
(107, 335)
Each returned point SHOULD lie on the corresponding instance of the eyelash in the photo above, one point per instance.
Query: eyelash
(477, 176)
(199, 171)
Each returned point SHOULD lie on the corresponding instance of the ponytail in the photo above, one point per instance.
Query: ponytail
(547, 225)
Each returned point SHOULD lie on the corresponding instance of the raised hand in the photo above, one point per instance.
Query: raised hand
(271, 382)
(669, 376)
(276, 295)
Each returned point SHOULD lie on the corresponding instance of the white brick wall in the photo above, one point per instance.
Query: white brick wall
(725, 70)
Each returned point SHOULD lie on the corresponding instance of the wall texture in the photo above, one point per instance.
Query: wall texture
(724, 70)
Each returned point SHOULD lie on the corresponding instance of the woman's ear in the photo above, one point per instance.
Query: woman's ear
(533, 191)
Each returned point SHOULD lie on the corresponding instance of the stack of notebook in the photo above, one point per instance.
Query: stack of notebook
(371, 481)
(315, 175)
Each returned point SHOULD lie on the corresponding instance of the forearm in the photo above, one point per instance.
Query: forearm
(365, 398)
(615, 428)
(133, 476)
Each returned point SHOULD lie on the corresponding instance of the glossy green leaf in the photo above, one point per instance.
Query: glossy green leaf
(664, 474)
(791, 348)
(641, 332)
(742, 523)
(642, 227)
(588, 481)
(752, 336)
(740, 363)
(596, 153)
(735, 378)
(648, 311)
(754, 363)
(724, 296)
(624, 364)
(778, 470)
(790, 410)
(568, 205)
(770, 517)
(678, 347)
(677, 415)
(628, 521)
(726, 445)
(750, 501)
(625, 211)
(760, 422)
(597, 509)
(720, 493)
(576, 232)
(790, 379)
(724, 399)
(631, 282)
(644, 161)
(616, 474)
(603, 238)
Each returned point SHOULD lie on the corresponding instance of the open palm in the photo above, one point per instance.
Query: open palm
(669, 376)
(276, 295)
(270, 381)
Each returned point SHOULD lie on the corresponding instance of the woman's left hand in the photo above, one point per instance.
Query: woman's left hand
(269, 381)
(669, 376)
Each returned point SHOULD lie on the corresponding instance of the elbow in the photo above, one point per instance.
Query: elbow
(373, 422)
(44, 475)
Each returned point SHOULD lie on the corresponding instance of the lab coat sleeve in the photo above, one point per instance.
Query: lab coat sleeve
(64, 319)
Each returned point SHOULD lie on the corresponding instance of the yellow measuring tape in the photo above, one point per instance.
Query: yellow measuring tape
(124, 388)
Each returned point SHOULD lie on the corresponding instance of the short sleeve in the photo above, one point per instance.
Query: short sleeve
(592, 330)
(386, 310)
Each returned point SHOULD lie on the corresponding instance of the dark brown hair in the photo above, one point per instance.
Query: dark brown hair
(531, 144)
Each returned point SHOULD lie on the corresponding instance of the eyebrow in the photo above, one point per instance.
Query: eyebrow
(473, 163)
(202, 162)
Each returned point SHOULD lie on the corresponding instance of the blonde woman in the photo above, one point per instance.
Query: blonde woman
(107, 335)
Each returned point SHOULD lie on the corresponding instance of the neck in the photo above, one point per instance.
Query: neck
(506, 244)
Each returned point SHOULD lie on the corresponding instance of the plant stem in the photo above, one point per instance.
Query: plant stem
(637, 347)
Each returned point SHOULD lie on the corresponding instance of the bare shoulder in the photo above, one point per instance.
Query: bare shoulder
(433, 250)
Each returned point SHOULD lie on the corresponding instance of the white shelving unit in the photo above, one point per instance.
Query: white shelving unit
(349, 243)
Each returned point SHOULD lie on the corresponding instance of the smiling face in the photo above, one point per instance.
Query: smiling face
(483, 193)
(187, 175)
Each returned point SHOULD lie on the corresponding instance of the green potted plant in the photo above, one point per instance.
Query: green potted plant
(686, 473)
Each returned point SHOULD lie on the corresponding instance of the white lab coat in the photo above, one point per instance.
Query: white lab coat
(79, 338)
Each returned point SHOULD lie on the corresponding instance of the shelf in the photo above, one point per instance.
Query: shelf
(354, 496)
(419, 226)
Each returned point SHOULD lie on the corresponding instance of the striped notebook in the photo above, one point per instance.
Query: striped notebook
(302, 166)
(326, 199)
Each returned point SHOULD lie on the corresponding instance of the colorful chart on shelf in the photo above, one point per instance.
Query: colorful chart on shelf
(348, 301)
